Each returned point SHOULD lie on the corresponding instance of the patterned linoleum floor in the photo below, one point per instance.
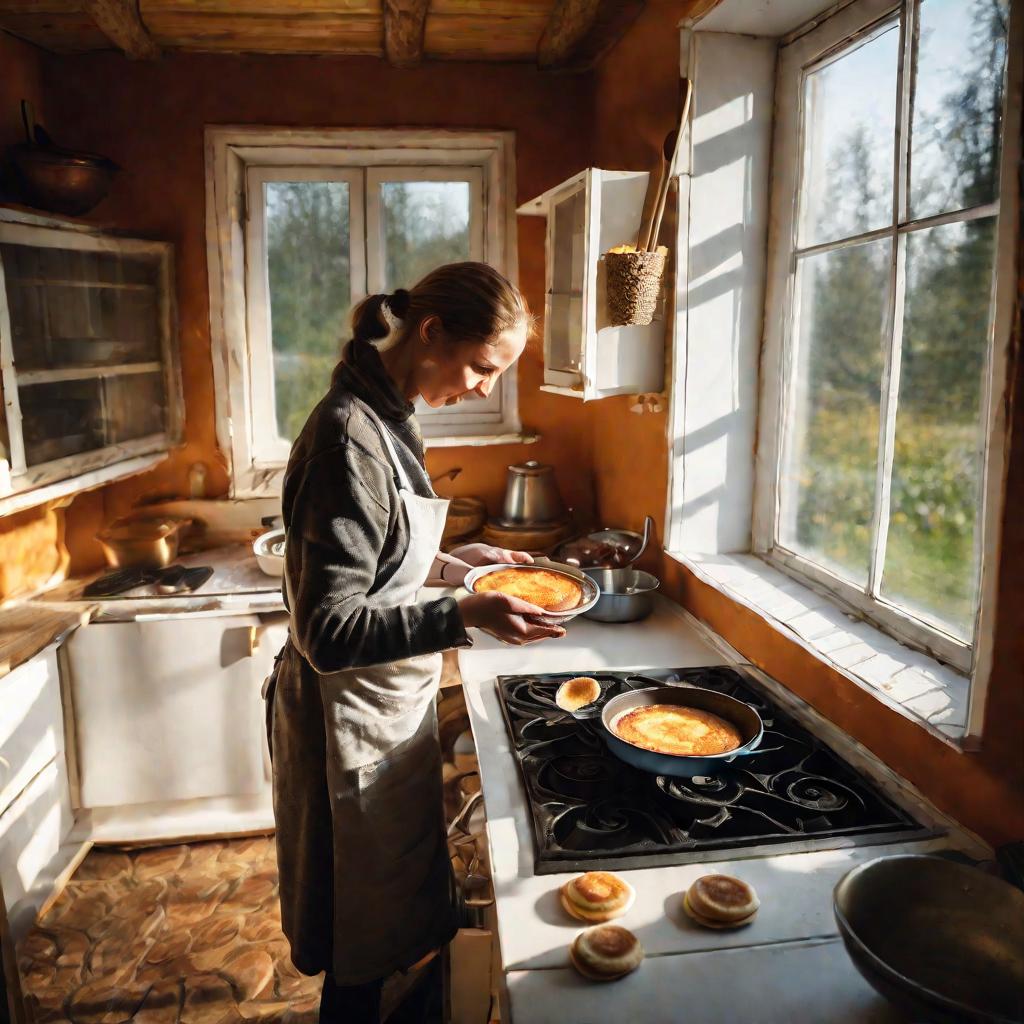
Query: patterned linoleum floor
(185, 934)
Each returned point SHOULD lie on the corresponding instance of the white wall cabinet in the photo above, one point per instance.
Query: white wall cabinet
(584, 356)
(168, 709)
(88, 358)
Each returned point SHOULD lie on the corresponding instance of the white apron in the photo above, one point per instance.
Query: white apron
(394, 895)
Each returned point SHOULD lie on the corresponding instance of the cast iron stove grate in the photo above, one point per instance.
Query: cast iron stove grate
(592, 810)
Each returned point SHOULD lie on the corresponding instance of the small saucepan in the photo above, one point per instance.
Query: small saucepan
(686, 766)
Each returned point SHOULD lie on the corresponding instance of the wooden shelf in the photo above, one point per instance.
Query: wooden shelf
(76, 484)
(30, 377)
(59, 283)
(555, 389)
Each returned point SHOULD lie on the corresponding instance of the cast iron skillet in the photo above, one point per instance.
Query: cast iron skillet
(742, 715)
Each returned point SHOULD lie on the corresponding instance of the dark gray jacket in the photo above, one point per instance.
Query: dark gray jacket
(347, 531)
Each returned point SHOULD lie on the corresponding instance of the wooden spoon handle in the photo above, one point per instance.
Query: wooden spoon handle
(652, 237)
(660, 211)
(654, 184)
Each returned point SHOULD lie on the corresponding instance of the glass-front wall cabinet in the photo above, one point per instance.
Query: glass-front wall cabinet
(585, 356)
(89, 373)
(567, 226)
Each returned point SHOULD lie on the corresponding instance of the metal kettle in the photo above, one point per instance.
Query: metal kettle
(532, 496)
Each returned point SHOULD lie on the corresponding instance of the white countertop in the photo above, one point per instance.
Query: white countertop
(237, 586)
(791, 950)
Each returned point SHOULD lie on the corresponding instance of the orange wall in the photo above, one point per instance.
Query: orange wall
(149, 117)
(30, 543)
(635, 105)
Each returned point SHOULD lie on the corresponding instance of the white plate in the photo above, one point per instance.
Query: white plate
(591, 591)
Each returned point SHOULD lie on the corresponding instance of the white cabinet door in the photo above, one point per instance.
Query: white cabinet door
(35, 805)
(31, 723)
(167, 709)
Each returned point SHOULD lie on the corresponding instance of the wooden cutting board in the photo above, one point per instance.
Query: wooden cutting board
(26, 629)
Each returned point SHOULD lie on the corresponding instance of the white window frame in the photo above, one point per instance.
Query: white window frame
(269, 450)
(807, 51)
(239, 156)
(476, 414)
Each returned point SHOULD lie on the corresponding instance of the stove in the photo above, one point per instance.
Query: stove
(591, 810)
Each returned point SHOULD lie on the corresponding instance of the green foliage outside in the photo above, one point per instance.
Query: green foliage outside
(930, 561)
(310, 291)
(425, 225)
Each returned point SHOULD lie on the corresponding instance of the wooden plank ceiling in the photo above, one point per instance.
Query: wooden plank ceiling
(555, 34)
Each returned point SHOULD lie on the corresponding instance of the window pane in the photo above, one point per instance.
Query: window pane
(849, 125)
(62, 418)
(310, 291)
(426, 224)
(930, 563)
(74, 308)
(565, 344)
(827, 486)
(134, 406)
(957, 105)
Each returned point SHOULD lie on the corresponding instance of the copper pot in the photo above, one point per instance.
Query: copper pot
(62, 181)
(142, 543)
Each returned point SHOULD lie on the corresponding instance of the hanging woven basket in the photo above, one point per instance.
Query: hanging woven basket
(633, 281)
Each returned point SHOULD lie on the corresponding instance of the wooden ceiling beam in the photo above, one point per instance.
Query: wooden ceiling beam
(120, 22)
(404, 24)
(580, 32)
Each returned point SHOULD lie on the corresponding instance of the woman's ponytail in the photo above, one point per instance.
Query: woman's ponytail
(398, 303)
(368, 321)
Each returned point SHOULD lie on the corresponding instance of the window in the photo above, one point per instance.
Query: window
(325, 219)
(880, 312)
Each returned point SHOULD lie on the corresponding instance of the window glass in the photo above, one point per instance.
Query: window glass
(849, 130)
(957, 105)
(308, 276)
(930, 561)
(425, 224)
(830, 460)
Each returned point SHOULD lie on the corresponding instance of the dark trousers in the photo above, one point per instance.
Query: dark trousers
(360, 1004)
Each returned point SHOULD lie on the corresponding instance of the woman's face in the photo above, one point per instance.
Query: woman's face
(448, 371)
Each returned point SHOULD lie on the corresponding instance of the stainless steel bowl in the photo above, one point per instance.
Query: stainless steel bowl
(942, 941)
(627, 595)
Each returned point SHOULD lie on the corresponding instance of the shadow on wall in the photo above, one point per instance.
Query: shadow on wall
(716, 421)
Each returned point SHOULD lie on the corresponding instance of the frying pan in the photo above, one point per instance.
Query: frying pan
(686, 766)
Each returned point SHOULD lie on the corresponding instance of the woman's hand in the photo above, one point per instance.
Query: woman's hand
(506, 618)
(488, 554)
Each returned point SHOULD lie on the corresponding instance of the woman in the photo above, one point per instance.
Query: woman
(366, 886)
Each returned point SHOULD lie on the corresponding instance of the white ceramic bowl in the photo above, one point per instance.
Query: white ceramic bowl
(591, 591)
(271, 564)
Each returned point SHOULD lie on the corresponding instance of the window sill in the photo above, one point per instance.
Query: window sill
(930, 694)
(479, 440)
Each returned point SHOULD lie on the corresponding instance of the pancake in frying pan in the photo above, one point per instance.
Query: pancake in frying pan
(674, 729)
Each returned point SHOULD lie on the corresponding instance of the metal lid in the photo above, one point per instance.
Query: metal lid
(531, 468)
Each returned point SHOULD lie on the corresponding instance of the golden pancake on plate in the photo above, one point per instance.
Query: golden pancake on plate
(721, 901)
(673, 729)
(605, 952)
(552, 591)
(577, 693)
(597, 896)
